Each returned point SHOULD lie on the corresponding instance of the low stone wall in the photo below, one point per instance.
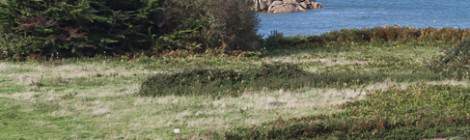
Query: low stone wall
(285, 6)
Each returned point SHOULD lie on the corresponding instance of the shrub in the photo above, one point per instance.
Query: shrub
(234, 24)
(230, 25)
(68, 28)
(64, 28)
(14, 47)
(395, 34)
(389, 34)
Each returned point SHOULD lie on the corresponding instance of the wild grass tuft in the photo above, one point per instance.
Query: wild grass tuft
(455, 62)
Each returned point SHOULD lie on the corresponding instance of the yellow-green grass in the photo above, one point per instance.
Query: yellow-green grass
(96, 98)
(418, 111)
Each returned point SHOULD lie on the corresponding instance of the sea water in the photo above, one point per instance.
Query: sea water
(346, 14)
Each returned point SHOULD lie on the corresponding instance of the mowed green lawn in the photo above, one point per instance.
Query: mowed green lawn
(96, 98)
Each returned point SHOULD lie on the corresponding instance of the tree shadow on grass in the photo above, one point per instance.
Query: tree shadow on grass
(217, 82)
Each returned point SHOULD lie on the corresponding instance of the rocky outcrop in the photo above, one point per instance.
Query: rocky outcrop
(285, 6)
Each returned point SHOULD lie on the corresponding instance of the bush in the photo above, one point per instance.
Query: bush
(389, 34)
(64, 28)
(234, 24)
(395, 34)
(14, 47)
(68, 28)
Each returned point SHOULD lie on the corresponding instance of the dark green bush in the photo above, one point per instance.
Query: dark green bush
(234, 24)
(14, 47)
(64, 28)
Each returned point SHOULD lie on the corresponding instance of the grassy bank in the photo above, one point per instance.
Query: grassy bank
(417, 111)
(98, 98)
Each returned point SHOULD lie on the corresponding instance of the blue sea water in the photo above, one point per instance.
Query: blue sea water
(342, 14)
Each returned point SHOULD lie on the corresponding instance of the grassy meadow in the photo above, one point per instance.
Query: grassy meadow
(354, 91)
(198, 69)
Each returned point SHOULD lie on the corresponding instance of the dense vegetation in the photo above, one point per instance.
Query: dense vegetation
(378, 83)
(64, 28)
(95, 98)
(389, 35)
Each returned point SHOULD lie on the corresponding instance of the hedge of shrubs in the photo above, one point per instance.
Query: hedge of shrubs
(387, 34)
(71, 28)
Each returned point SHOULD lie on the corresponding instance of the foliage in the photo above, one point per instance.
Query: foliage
(234, 23)
(395, 34)
(64, 28)
(61, 28)
(379, 35)
(15, 47)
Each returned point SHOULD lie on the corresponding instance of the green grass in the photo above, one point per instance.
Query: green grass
(97, 98)
(417, 112)
(21, 120)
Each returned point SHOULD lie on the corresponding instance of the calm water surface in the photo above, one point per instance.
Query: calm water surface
(340, 14)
